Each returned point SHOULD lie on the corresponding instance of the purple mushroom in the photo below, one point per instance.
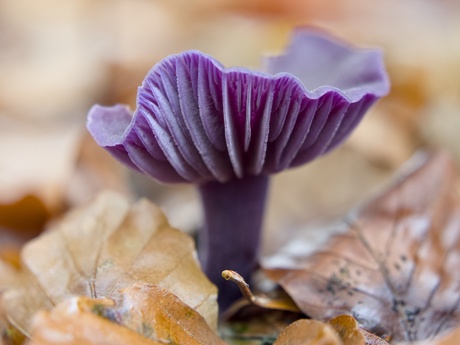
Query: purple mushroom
(227, 129)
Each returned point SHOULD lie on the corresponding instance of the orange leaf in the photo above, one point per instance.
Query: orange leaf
(71, 323)
(350, 333)
(155, 315)
(158, 314)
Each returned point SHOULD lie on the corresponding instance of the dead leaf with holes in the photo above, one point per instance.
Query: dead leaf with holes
(395, 264)
(98, 250)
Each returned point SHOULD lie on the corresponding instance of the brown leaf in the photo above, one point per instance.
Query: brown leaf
(8, 276)
(394, 266)
(102, 248)
(351, 334)
(28, 215)
(71, 323)
(308, 332)
(20, 221)
(148, 310)
(158, 314)
(348, 330)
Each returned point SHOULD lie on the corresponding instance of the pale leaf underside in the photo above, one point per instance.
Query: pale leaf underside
(395, 267)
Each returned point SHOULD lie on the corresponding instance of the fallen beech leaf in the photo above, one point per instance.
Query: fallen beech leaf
(71, 323)
(102, 248)
(309, 332)
(158, 314)
(395, 267)
(348, 329)
(148, 310)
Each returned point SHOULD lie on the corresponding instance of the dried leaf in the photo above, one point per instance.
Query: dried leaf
(350, 333)
(20, 221)
(71, 323)
(348, 330)
(102, 248)
(308, 332)
(8, 276)
(158, 314)
(148, 310)
(12, 215)
(395, 265)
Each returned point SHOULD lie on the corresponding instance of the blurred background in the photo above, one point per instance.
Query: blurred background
(58, 58)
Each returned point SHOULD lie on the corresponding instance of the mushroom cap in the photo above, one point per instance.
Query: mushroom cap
(197, 121)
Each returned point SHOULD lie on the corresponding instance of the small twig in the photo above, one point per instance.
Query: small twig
(285, 304)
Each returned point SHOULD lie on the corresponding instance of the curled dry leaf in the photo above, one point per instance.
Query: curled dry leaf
(341, 330)
(158, 314)
(309, 332)
(348, 329)
(148, 310)
(71, 323)
(395, 266)
(102, 248)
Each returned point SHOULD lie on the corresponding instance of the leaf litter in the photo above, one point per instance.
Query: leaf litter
(340, 330)
(99, 250)
(394, 264)
(392, 267)
(148, 314)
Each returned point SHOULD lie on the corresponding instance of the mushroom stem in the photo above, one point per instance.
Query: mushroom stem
(233, 214)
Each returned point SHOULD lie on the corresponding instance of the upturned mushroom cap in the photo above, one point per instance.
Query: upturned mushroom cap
(196, 121)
